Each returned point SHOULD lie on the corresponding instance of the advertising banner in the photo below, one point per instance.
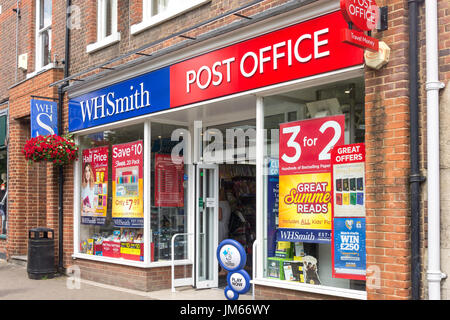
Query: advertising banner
(43, 118)
(349, 248)
(169, 177)
(349, 194)
(94, 186)
(305, 186)
(127, 184)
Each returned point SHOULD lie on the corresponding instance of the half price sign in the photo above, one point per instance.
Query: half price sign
(305, 146)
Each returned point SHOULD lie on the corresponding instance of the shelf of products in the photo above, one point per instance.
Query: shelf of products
(239, 184)
(121, 243)
(165, 222)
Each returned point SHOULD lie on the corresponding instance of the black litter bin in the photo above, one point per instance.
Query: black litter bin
(41, 254)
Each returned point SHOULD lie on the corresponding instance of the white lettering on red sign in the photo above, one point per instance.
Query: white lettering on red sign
(265, 58)
(362, 13)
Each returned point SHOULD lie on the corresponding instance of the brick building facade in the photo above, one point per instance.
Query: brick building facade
(95, 60)
(34, 184)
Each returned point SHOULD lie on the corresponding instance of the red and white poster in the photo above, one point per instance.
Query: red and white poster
(169, 177)
(305, 194)
(305, 146)
(128, 186)
(94, 186)
(349, 181)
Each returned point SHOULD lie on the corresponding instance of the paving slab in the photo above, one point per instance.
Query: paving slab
(15, 285)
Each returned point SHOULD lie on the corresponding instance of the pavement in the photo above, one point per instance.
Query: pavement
(15, 285)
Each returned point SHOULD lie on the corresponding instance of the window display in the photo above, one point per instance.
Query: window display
(168, 195)
(111, 192)
(302, 127)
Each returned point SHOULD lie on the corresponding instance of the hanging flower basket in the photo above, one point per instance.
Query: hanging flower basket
(60, 150)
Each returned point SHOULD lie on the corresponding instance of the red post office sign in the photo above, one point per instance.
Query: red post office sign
(305, 146)
(362, 13)
(305, 49)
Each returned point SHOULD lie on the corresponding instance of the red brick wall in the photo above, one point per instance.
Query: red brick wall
(151, 279)
(444, 76)
(8, 47)
(388, 163)
(272, 293)
(32, 187)
(32, 197)
(26, 39)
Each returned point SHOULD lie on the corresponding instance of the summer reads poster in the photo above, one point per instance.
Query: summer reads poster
(305, 187)
(94, 186)
(128, 193)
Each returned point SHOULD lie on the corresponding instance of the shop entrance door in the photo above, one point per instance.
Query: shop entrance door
(206, 223)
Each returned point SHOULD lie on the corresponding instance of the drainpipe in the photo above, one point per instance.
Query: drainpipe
(415, 177)
(434, 274)
(17, 10)
(61, 129)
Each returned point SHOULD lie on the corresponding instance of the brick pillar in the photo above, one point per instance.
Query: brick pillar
(17, 189)
(388, 164)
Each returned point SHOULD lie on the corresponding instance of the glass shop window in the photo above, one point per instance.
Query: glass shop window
(111, 188)
(169, 192)
(293, 256)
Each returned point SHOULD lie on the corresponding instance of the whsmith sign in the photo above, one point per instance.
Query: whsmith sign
(305, 49)
(44, 118)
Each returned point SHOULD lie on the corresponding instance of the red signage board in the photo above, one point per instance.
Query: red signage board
(351, 153)
(305, 146)
(363, 14)
(169, 190)
(360, 39)
(298, 51)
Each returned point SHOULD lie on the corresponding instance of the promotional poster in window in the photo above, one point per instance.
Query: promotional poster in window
(305, 186)
(127, 185)
(94, 186)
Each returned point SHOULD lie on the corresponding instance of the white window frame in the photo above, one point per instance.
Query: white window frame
(39, 48)
(175, 8)
(103, 40)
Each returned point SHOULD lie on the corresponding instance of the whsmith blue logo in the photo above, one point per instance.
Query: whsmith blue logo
(304, 235)
(44, 118)
(138, 96)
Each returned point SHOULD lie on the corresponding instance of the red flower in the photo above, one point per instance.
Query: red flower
(53, 148)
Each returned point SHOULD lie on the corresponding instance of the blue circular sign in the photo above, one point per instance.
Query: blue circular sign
(239, 281)
(230, 294)
(231, 255)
